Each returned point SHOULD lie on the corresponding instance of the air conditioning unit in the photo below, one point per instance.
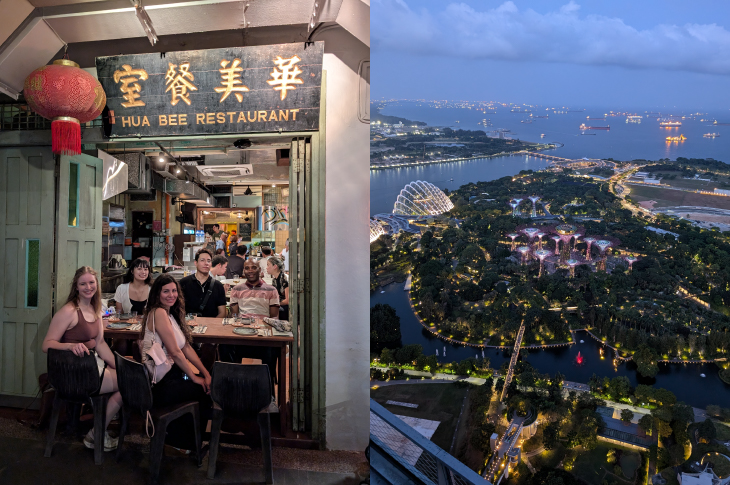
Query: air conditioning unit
(226, 171)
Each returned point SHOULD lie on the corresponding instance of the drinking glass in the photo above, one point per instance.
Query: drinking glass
(133, 314)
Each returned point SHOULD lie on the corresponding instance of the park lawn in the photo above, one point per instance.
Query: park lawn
(723, 432)
(668, 197)
(591, 465)
(436, 402)
(722, 465)
(701, 449)
(548, 459)
(691, 183)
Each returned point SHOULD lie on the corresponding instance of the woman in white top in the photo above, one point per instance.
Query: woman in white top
(132, 294)
(182, 377)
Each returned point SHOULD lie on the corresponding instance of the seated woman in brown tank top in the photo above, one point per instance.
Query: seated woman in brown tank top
(78, 328)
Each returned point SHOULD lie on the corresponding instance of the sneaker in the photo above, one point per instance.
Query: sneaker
(109, 442)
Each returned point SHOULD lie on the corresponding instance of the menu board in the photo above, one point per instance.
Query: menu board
(244, 231)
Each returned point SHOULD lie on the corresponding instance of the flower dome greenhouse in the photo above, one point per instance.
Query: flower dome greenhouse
(421, 198)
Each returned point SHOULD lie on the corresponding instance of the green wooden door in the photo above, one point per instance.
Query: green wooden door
(78, 241)
(26, 248)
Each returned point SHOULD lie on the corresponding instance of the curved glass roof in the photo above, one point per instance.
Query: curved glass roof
(421, 198)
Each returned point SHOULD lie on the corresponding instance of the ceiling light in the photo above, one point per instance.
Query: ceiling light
(162, 159)
(273, 185)
(177, 171)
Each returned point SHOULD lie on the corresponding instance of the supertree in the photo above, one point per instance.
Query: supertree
(631, 259)
(557, 244)
(540, 235)
(513, 236)
(542, 254)
(524, 251)
(575, 243)
(589, 241)
(515, 203)
(530, 232)
(566, 233)
(534, 200)
(603, 245)
(572, 263)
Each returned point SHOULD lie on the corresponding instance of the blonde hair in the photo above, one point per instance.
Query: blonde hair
(73, 296)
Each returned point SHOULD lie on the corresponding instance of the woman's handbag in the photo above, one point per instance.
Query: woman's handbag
(157, 363)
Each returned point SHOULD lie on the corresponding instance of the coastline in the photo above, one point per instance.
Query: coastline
(433, 162)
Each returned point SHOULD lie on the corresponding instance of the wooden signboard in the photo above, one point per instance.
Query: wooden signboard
(233, 90)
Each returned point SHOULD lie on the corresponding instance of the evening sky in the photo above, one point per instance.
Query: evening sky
(622, 53)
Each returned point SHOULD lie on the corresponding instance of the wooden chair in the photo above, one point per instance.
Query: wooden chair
(243, 392)
(76, 380)
(134, 385)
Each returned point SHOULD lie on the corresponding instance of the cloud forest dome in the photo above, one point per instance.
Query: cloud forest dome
(421, 198)
(376, 230)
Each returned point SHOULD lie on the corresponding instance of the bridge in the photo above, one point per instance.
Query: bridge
(513, 361)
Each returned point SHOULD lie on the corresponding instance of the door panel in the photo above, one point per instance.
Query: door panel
(27, 190)
(79, 219)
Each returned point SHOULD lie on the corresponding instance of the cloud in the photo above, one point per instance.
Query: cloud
(562, 36)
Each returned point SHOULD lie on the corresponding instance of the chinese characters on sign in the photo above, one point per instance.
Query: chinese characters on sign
(127, 76)
(286, 76)
(271, 88)
(231, 81)
(178, 83)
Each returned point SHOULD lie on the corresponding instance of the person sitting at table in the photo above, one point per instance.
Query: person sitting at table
(176, 380)
(78, 328)
(235, 262)
(253, 298)
(131, 296)
(281, 283)
(266, 254)
(219, 266)
(232, 244)
(202, 294)
(222, 243)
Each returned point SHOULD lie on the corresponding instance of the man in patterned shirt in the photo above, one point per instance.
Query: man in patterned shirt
(253, 298)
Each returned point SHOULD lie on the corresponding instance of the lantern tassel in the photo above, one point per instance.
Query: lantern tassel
(66, 135)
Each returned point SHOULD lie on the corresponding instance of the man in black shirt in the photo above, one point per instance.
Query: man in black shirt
(203, 295)
(235, 263)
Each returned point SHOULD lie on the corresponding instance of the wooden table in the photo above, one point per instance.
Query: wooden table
(218, 333)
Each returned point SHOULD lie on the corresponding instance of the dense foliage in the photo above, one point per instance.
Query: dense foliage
(469, 283)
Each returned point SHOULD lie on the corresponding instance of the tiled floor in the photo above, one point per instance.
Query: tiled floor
(22, 463)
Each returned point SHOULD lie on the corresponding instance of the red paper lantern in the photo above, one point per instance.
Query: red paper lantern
(69, 96)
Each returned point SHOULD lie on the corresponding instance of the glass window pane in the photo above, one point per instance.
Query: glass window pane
(32, 271)
(73, 194)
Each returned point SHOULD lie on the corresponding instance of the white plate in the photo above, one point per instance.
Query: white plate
(244, 331)
(119, 326)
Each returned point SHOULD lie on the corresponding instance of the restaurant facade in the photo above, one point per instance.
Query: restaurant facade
(249, 115)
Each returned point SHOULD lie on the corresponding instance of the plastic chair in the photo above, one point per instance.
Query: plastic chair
(134, 385)
(76, 380)
(243, 392)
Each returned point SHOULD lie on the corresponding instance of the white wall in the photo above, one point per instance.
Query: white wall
(347, 265)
